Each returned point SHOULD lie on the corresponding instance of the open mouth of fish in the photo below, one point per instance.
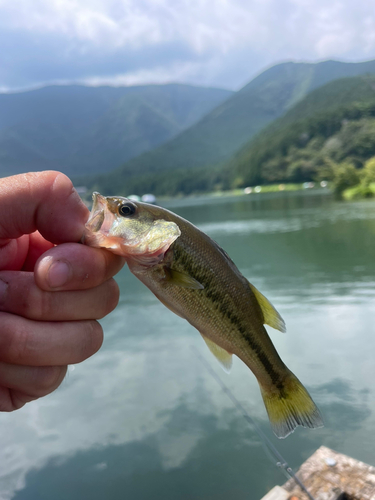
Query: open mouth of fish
(97, 214)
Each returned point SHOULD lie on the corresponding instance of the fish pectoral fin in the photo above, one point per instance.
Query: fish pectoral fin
(182, 279)
(224, 357)
(270, 316)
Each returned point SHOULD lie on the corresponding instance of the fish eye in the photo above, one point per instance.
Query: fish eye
(126, 209)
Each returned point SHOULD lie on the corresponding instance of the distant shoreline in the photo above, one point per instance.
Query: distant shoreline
(213, 196)
(252, 190)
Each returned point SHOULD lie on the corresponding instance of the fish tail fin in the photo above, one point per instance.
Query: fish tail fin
(289, 407)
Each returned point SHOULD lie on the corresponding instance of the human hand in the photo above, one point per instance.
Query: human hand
(50, 296)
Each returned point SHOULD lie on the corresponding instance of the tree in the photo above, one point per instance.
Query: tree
(345, 175)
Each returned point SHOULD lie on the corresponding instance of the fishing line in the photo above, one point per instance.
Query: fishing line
(271, 451)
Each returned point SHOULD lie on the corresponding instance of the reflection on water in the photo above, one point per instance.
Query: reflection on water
(222, 458)
(143, 419)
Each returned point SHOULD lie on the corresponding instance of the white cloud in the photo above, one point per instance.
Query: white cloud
(159, 74)
(127, 40)
(85, 21)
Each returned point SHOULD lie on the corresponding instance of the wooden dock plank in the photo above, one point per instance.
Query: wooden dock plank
(277, 493)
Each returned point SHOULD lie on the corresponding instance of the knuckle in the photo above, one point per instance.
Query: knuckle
(44, 307)
(19, 347)
(26, 299)
(36, 304)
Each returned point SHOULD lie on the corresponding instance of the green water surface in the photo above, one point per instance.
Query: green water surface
(144, 420)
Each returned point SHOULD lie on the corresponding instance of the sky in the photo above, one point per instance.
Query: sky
(221, 43)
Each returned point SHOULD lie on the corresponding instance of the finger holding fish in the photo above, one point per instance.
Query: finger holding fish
(72, 266)
(23, 297)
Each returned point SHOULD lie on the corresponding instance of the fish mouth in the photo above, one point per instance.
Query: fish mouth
(96, 218)
(98, 201)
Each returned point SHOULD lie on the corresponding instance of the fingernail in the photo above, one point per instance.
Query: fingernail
(58, 274)
(3, 290)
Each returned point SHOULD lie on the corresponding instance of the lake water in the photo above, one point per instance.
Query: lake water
(144, 420)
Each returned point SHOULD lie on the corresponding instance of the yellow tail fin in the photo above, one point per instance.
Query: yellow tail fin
(289, 407)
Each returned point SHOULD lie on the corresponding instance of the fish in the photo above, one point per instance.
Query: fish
(197, 280)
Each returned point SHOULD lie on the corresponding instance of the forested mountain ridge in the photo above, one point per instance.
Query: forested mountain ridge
(192, 161)
(332, 124)
(83, 130)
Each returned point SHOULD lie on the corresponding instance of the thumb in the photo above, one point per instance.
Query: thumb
(44, 201)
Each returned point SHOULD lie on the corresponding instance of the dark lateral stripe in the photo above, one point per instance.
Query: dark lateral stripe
(217, 297)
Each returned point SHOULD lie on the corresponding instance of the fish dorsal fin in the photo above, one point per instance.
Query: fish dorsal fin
(270, 316)
(224, 357)
(182, 279)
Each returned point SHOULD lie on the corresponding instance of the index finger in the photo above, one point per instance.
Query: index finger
(43, 201)
(72, 266)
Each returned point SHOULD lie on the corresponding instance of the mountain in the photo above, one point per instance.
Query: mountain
(214, 139)
(333, 124)
(81, 130)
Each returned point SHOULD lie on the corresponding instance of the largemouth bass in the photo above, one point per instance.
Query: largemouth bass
(196, 279)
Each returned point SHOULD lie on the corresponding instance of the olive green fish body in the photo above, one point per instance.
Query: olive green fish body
(191, 275)
(224, 310)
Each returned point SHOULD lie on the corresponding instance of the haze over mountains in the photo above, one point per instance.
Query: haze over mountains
(191, 139)
(83, 130)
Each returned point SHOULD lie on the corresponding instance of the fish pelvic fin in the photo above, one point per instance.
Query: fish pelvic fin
(270, 316)
(289, 407)
(224, 357)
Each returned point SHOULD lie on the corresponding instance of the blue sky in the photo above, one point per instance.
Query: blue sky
(222, 43)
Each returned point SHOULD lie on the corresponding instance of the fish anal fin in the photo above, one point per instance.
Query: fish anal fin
(224, 357)
(182, 279)
(270, 316)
